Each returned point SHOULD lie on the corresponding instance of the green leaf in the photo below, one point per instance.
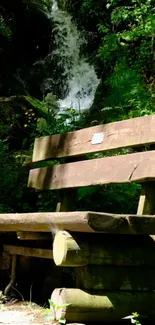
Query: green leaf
(62, 320)
(62, 306)
(128, 317)
(52, 303)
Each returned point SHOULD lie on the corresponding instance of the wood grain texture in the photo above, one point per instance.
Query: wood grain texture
(28, 251)
(136, 167)
(81, 249)
(122, 134)
(45, 221)
(79, 222)
(89, 306)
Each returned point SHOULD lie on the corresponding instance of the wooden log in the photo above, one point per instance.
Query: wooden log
(116, 278)
(137, 167)
(121, 134)
(102, 249)
(101, 305)
(83, 221)
(29, 235)
(45, 222)
(28, 251)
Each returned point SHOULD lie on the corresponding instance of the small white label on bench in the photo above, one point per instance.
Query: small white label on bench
(97, 138)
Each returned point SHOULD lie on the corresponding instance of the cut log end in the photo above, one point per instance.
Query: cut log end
(60, 248)
(63, 247)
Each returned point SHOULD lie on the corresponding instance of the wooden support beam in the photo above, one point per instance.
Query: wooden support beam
(102, 249)
(89, 306)
(147, 200)
(146, 204)
(13, 275)
(78, 222)
(29, 235)
(28, 251)
(121, 134)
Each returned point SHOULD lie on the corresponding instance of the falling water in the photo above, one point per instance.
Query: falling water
(81, 79)
(54, 6)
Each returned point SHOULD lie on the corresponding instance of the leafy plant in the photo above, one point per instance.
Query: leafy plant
(134, 318)
(4, 28)
(52, 312)
(121, 45)
(2, 299)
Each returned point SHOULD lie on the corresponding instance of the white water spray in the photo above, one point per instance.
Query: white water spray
(54, 6)
(80, 75)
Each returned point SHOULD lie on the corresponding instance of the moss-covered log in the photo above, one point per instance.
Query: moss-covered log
(116, 278)
(102, 249)
(103, 306)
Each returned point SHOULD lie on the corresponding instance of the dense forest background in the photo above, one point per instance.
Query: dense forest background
(119, 43)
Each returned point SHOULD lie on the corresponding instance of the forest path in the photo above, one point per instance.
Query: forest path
(22, 314)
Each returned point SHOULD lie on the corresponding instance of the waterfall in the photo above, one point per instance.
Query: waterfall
(81, 79)
(54, 5)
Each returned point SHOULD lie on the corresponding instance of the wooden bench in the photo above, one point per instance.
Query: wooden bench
(115, 268)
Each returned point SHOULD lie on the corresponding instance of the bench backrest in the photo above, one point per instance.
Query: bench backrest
(132, 167)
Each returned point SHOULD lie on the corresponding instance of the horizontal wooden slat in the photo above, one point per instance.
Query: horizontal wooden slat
(79, 222)
(122, 134)
(137, 167)
(28, 251)
(45, 221)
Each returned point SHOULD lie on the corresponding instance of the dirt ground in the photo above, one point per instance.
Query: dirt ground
(23, 314)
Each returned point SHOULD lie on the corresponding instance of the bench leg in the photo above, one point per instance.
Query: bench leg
(13, 275)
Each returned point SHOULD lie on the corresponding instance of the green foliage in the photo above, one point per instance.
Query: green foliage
(22, 120)
(121, 198)
(129, 48)
(2, 299)
(52, 312)
(134, 318)
(43, 5)
(37, 104)
(122, 34)
(128, 95)
(4, 28)
(57, 122)
(14, 195)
